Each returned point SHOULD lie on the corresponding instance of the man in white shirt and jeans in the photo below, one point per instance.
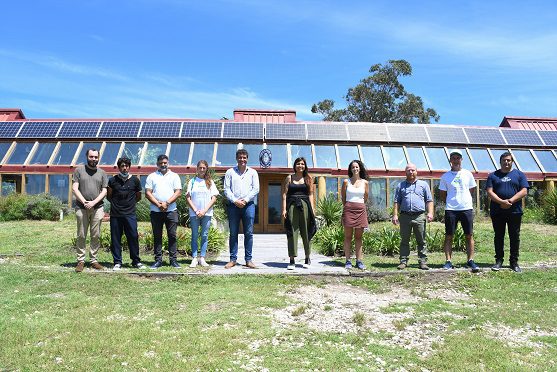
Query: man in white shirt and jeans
(456, 189)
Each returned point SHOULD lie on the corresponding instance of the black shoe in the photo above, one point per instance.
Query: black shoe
(515, 267)
(498, 265)
(156, 265)
(175, 264)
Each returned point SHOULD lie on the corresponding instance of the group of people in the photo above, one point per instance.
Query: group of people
(413, 208)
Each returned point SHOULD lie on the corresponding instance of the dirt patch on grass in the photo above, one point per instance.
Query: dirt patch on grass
(518, 337)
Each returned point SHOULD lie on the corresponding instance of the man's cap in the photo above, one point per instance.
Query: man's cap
(456, 151)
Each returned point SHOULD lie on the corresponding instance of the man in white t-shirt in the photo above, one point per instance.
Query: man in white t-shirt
(456, 189)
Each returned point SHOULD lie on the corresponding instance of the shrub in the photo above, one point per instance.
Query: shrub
(330, 208)
(387, 242)
(434, 240)
(439, 212)
(43, 207)
(143, 211)
(13, 207)
(330, 240)
(549, 205)
(376, 214)
(533, 215)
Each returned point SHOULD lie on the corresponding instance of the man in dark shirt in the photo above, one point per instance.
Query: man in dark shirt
(506, 187)
(124, 191)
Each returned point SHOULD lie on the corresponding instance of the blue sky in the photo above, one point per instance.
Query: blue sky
(473, 61)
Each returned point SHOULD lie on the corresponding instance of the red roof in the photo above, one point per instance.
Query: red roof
(521, 122)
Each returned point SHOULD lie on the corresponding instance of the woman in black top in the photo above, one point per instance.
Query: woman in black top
(298, 211)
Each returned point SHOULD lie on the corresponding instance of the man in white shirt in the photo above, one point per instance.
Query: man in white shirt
(241, 186)
(162, 189)
(456, 189)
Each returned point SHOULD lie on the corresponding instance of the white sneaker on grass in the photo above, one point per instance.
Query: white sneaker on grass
(202, 262)
(193, 262)
(117, 267)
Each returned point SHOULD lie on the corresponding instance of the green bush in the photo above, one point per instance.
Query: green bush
(533, 215)
(43, 207)
(143, 211)
(13, 207)
(375, 213)
(439, 212)
(330, 209)
(330, 240)
(549, 205)
(385, 242)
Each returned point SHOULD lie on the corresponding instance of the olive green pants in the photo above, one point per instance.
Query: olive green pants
(299, 220)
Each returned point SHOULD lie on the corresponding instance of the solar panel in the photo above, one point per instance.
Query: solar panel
(368, 132)
(161, 129)
(243, 130)
(8, 129)
(42, 129)
(285, 131)
(549, 137)
(446, 135)
(119, 129)
(327, 131)
(202, 130)
(484, 136)
(407, 133)
(522, 137)
(79, 129)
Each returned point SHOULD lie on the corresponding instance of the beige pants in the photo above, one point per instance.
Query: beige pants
(88, 219)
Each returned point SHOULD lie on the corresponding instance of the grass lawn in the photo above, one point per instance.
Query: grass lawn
(54, 319)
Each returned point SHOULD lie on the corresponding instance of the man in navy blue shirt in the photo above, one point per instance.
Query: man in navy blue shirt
(506, 188)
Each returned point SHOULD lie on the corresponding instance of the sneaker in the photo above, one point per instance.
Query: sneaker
(79, 267)
(97, 266)
(175, 264)
(472, 265)
(291, 266)
(402, 265)
(348, 265)
(156, 265)
(194, 262)
(515, 267)
(360, 265)
(138, 265)
(423, 265)
(307, 263)
(202, 262)
(498, 265)
(448, 265)
(117, 267)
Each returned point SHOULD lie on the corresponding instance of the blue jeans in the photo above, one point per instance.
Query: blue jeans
(128, 226)
(247, 216)
(205, 223)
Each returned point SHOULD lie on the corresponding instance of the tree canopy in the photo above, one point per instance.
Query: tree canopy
(380, 98)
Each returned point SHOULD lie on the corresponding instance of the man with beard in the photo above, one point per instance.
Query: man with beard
(89, 188)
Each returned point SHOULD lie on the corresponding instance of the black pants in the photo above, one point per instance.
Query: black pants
(128, 226)
(500, 221)
(170, 220)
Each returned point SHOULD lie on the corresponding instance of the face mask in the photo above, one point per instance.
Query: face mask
(124, 175)
(92, 163)
(163, 168)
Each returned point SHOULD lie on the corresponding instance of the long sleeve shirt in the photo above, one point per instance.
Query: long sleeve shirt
(241, 185)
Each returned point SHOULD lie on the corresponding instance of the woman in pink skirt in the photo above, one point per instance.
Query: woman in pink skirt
(354, 193)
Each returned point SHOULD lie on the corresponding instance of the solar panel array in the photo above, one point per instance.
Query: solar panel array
(549, 137)
(202, 130)
(522, 137)
(481, 136)
(8, 129)
(243, 130)
(407, 133)
(333, 132)
(120, 129)
(367, 132)
(79, 129)
(446, 135)
(285, 131)
(160, 129)
(39, 129)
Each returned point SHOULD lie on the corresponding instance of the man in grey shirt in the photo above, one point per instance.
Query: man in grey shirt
(89, 188)
(412, 198)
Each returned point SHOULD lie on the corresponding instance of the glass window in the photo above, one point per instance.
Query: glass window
(373, 159)
(143, 180)
(279, 154)
(109, 154)
(331, 186)
(152, 152)
(20, 153)
(416, 155)
(82, 158)
(298, 151)
(59, 186)
(496, 155)
(253, 153)
(274, 203)
(226, 155)
(43, 153)
(4, 146)
(394, 157)
(437, 158)
(325, 156)
(378, 192)
(346, 154)
(133, 151)
(11, 183)
(203, 151)
(179, 154)
(35, 183)
(526, 161)
(466, 163)
(65, 154)
(548, 160)
(393, 183)
(482, 160)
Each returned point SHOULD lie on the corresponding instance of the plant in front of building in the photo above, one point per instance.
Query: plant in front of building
(330, 240)
(13, 207)
(549, 205)
(44, 207)
(376, 213)
(330, 209)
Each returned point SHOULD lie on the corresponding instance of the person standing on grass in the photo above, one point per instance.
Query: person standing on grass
(162, 189)
(355, 191)
(241, 186)
(413, 199)
(455, 190)
(124, 191)
(298, 211)
(89, 187)
(201, 195)
(506, 187)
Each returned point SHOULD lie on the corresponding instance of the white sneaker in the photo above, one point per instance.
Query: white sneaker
(139, 265)
(202, 262)
(193, 262)
(117, 267)
(291, 266)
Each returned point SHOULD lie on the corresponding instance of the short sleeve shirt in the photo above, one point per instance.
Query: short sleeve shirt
(201, 195)
(457, 184)
(91, 183)
(412, 197)
(505, 186)
(122, 202)
(163, 186)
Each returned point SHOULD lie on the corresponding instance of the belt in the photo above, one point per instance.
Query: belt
(412, 213)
